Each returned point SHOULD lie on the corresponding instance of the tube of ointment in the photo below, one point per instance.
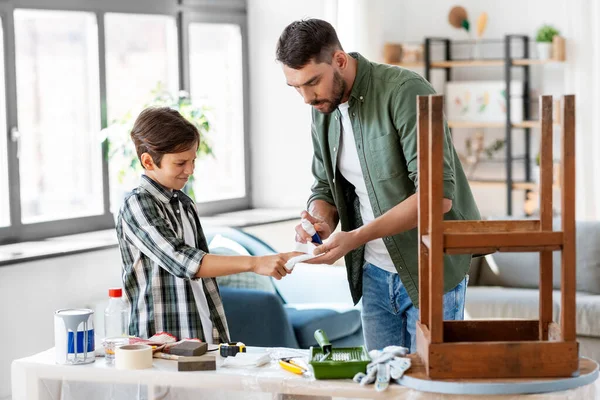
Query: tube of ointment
(310, 229)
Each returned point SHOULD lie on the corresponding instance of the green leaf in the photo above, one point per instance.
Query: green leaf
(465, 24)
(546, 33)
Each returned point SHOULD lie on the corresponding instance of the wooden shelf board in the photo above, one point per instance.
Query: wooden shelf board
(466, 63)
(533, 61)
(475, 63)
(490, 63)
(476, 124)
(516, 185)
(409, 65)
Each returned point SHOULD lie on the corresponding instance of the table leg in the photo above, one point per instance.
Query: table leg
(25, 384)
(151, 392)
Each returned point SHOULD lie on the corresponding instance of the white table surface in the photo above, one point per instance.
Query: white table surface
(31, 374)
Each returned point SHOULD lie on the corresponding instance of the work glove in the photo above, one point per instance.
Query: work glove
(386, 364)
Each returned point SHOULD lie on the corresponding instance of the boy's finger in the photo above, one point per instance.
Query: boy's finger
(282, 271)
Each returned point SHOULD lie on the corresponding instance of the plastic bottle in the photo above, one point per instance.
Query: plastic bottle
(116, 315)
(310, 229)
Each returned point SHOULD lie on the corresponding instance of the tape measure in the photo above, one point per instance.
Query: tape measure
(231, 349)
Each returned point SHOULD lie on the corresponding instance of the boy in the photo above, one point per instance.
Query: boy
(168, 274)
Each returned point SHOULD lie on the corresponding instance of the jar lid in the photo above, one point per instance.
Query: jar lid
(115, 292)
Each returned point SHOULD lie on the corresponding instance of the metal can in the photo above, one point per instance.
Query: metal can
(74, 336)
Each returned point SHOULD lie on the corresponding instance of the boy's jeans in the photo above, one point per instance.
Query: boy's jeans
(388, 315)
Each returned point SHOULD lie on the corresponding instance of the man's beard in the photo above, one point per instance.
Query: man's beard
(339, 88)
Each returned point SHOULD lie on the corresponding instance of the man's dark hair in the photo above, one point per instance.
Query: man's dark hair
(307, 40)
(161, 130)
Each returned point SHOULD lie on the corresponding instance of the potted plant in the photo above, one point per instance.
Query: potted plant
(124, 165)
(544, 41)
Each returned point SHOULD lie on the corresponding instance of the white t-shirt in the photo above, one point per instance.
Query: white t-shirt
(349, 165)
(197, 286)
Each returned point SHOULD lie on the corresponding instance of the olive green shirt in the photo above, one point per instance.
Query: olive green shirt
(383, 113)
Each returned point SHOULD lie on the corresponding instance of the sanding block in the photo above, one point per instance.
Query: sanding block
(202, 363)
(188, 348)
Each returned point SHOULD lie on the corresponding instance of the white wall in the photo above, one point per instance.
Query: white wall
(411, 20)
(31, 292)
(281, 147)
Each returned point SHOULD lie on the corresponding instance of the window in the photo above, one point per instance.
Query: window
(4, 200)
(60, 159)
(141, 54)
(216, 81)
(141, 63)
(69, 72)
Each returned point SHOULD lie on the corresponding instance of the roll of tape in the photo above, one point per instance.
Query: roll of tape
(133, 356)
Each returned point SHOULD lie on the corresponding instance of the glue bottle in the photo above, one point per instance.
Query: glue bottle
(310, 229)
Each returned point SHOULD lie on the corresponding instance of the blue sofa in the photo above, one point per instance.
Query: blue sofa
(261, 318)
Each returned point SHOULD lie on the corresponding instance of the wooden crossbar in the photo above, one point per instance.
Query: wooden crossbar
(528, 225)
(504, 240)
(501, 330)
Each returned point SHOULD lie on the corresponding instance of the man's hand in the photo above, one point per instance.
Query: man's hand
(322, 228)
(273, 265)
(336, 247)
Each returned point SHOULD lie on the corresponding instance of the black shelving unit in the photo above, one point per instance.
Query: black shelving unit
(508, 62)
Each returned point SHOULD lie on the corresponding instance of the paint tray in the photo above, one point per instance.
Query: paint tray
(343, 362)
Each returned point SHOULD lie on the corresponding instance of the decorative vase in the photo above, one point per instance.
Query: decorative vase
(544, 50)
(392, 53)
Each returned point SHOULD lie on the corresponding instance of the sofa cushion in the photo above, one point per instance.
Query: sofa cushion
(246, 280)
(257, 318)
(588, 313)
(337, 325)
(588, 256)
(522, 269)
(487, 302)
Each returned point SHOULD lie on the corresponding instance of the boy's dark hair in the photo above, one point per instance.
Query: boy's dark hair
(161, 130)
(306, 40)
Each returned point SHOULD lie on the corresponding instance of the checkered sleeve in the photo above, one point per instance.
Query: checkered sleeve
(149, 231)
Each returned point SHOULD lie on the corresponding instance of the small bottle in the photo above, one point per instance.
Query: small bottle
(116, 323)
(310, 229)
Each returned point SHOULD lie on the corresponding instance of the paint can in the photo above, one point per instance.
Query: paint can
(74, 336)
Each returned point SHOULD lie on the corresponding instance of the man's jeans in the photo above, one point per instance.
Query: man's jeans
(388, 315)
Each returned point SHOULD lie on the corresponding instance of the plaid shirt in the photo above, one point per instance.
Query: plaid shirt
(158, 265)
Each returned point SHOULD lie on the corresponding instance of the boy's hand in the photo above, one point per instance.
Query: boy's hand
(273, 265)
(321, 227)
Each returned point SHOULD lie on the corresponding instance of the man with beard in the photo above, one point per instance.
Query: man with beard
(364, 135)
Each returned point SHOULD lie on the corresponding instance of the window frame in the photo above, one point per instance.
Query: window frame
(235, 18)
(184, 12)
